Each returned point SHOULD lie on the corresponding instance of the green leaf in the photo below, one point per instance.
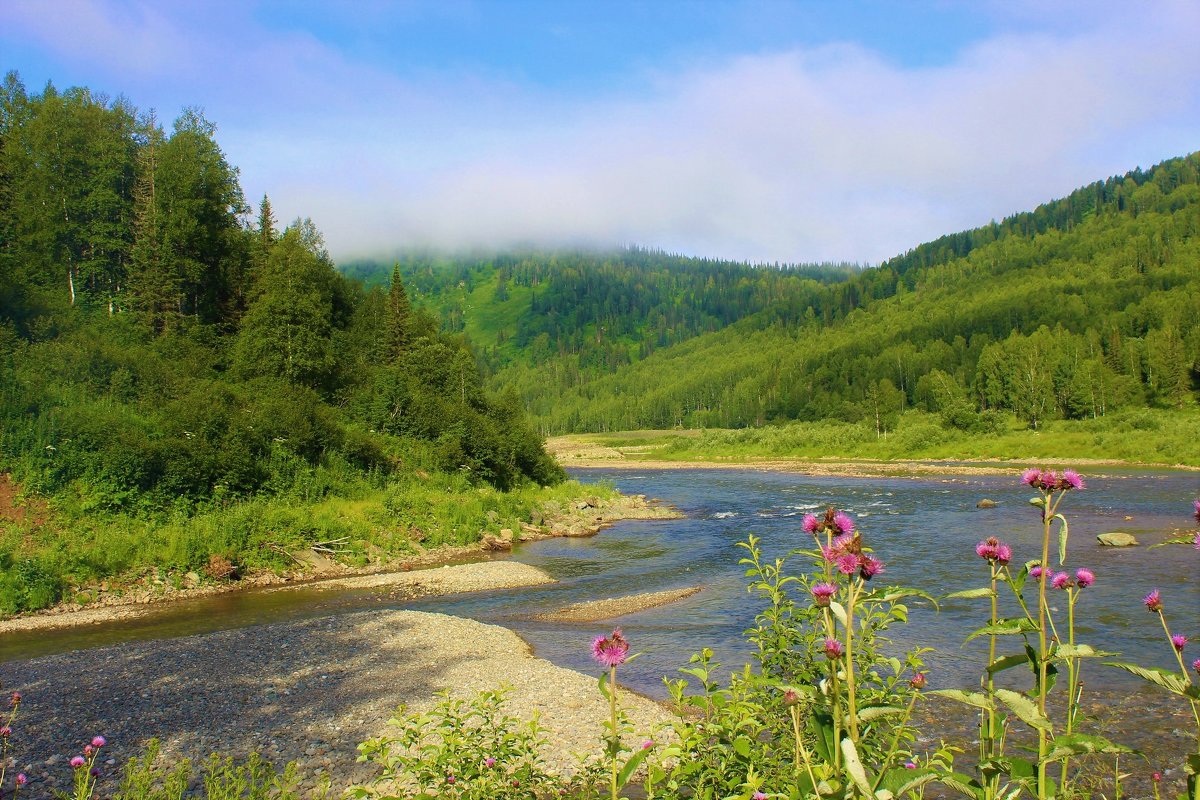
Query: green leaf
(822, 726)
(855, 768)
(631, 766)
(1180, 540)
(1159, 677)
(875, 712)
(1062, 539)
(1005, 627)
(970, 594)
(1192, 765)
(839, 611)
(741, 746)
(1007, 662)
(963, 784)
(1081, 651)
(976, 699)
(898, 780)
(890, 594)
(1024, 708)
(1078, 744)
(604, 684)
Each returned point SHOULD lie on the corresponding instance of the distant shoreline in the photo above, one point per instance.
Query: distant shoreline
(861, 469)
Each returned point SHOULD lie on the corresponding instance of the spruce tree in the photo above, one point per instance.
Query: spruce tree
(399, 317)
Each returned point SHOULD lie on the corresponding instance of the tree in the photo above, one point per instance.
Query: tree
(399, 317)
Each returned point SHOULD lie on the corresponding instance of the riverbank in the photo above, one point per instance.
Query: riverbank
(646, 449)
(440, 570)
(307, 691)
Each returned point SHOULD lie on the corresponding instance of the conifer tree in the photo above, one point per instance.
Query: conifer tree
(153, 285)
(399, 317)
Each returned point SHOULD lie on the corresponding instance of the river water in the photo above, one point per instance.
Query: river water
(925, 531)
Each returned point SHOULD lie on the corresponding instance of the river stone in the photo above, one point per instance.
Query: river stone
(1117, 539)
(986, 503)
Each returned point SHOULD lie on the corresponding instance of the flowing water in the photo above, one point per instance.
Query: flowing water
(925, 531)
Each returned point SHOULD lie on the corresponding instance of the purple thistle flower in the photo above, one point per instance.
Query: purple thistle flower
(1196, 507)
(1179, 641)
(810, 523)
(77, 762)
(450, 779)
(489, 762)
(1061, 580)
(1048, 479)
(1153, 601)
(1084, 577)
(987, 549)
(1031, 476)
(610, 651)
(15, 700)
(1198, 540)
(1196, 665)
(1071, 480)
(833, 649)
(910, 765)
(758, 796)
(88, 749)
(822, 593)
(95, 772)
(918, 681)
(1003, 554)
(1035, 571)
(790, 697)
(847, 563)
(21, 779)
(5, 732)
(869, 567)
(98, 742)
(843, 522)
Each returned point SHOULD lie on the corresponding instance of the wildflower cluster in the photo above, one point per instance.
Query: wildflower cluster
(7, 719)
(1049, 481)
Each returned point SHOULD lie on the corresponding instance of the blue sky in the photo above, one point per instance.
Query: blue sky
(766, 131)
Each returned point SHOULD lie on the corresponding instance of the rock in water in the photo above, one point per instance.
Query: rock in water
(1117, 539)
(986, 503)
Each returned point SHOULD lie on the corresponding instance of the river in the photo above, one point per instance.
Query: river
(924, 530)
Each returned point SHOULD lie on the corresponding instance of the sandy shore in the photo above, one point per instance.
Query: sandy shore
(308, 691)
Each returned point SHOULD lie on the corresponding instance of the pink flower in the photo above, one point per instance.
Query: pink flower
(758, 796)
(489, 762)
(1035, 571)
(869, 567)
(810, 523)
(610, 651)
(1179, 641)
(822, 593)
(98, 742)
(843, 522)
(987, 548)
(1084, 577)
(87, 749)
(833, 649)
(1156, 776)
(15, 700)
(646, 745)
(5, 731)
(910, 765)
(1003, 554)
(1048, 479)
(917, 681)
(1153, 601)
(1196, 507)
(77, 762)
(847, 563)
(21, 779)
(791, 697)
(1031, 476)
(1061, 580)
(1071, 480)
(1196, 665)
(450, 780)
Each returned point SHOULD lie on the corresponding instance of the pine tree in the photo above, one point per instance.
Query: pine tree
(399, 317)
(154, 286)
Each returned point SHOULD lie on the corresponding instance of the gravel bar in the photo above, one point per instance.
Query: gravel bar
(307, 690)
(597, 610)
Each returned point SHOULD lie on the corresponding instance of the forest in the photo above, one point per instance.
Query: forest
(181, 377)
(1083, 307)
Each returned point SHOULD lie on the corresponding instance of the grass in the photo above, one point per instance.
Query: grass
(76, 546)
(1140, 436)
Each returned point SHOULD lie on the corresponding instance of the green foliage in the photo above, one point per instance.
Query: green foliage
(468, 749)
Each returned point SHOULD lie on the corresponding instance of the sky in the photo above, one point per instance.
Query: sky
(762, 131)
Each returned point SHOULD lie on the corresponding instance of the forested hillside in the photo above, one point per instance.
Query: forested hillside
(1085, 306)
(164, 358)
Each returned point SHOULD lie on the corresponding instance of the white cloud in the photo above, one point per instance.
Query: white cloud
(820, 153)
